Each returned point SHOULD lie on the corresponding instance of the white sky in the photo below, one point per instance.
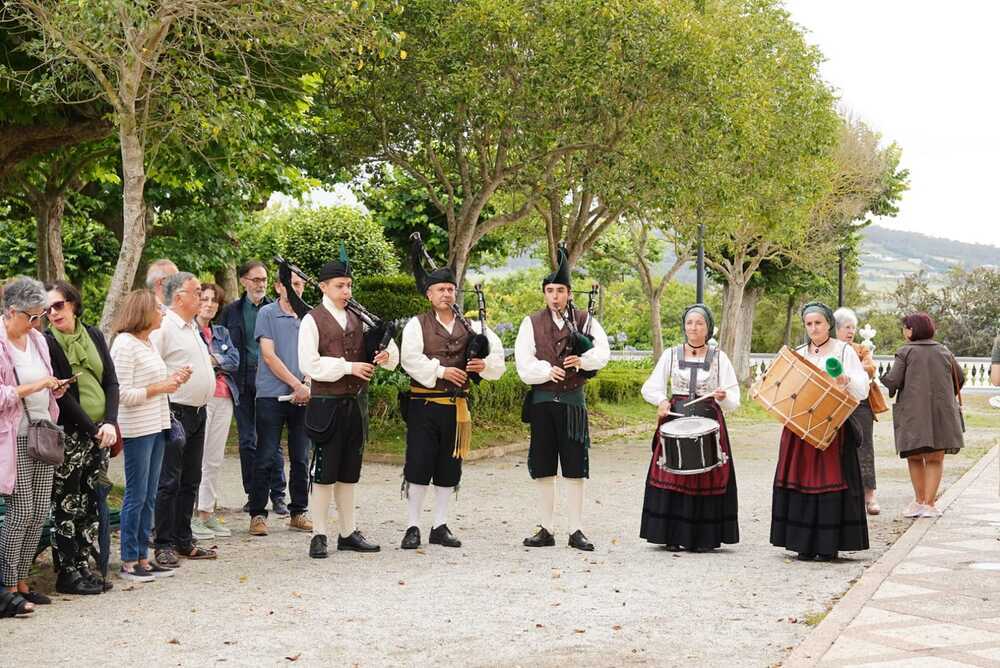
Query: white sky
(923, 73)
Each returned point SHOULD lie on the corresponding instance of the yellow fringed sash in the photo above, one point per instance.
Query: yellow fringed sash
(463, 418)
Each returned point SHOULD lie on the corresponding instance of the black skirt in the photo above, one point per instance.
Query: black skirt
(823, 523)
(694, 522)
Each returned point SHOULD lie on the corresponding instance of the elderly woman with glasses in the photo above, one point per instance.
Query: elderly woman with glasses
(89, 414)
(27, 390)
(847, 327)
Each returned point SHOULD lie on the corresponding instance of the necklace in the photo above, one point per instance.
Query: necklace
(696, 347)
(817, 347)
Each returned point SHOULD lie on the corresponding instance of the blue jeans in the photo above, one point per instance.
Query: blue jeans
(143, 458)
(246, 428)
(272, 417)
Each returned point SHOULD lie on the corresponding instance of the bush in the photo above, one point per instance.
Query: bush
(390, 297)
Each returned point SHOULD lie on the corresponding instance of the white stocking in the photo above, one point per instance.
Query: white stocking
(441, 497)
(320, 504)
(343, 492)
(415, 502)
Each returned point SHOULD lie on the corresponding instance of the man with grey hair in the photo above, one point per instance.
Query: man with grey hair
(179, 343)
(156, 274)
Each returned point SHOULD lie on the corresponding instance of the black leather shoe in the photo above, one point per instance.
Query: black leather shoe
(357, 543)
(541, 539)
(103, 583)
(580, 542)
(411, 540)
(71, 582)
(805, 556)
(317, 547)
(442, 536)
(826, 557)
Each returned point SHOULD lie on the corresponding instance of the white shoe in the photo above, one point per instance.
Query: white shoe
(914, 509)
(930, 511)
(199, 531)
(214, 525)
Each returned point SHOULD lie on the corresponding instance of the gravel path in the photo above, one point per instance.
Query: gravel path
(491, 602)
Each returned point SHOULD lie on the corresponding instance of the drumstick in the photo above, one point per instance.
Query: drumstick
(708, 396)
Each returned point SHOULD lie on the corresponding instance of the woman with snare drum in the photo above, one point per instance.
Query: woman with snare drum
(690, 501)
(818, 506)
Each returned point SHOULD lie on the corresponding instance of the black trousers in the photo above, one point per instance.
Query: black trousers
(180, 476)
(430, 443)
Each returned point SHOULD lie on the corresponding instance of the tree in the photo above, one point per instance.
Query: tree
(634, 243)
(187, 68)
(495, 94)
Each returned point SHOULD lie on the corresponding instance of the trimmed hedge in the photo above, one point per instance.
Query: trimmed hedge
(392, 296)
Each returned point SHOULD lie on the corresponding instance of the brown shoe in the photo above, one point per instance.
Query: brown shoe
(300, 522)
(258, 526)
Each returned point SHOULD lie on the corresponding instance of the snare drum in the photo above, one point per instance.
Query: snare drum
(690, 445)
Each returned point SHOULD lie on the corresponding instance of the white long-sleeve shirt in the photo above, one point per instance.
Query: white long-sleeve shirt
(857, 385)
(668, 378)
(330, 369)
(426, 370)
(534, 371)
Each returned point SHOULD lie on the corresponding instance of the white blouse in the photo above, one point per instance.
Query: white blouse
(668, 379)
(857, 385)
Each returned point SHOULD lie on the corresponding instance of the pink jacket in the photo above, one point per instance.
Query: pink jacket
(11, 407)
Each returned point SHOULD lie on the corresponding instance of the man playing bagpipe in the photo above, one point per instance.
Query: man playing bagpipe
(338, 351)
(441, 351)
(555, 349)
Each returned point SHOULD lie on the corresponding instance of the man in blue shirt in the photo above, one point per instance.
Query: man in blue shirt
(240, 318)
(282, 395)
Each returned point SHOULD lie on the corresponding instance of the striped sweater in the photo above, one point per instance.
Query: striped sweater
(139, 366)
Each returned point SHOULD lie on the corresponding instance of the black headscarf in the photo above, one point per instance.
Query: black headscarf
(705, 313)
(819, 307)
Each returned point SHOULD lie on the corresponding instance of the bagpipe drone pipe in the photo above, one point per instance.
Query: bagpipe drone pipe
(582, 341)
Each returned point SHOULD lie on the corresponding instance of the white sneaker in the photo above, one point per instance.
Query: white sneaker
(914, 509)
(200, 531)
(930, 511)
(214, 525)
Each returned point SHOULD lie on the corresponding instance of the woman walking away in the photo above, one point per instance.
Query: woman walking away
(144, 418)
(88, 411)
(28, 390)
(927, 381)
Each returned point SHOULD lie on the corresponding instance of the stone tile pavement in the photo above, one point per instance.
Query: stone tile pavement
(933, 599)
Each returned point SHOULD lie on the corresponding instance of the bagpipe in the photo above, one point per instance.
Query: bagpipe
(582, 340)
(378, 333)
(478, 346)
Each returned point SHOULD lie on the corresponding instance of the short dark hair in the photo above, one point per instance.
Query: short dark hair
(69, 293)
(220, 294)
(249, 266)
(920, 325)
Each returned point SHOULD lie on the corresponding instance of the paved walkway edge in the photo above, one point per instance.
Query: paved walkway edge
(812, 649)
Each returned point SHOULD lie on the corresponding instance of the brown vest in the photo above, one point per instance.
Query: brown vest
(449, 349)
(551, 345)
(335, 341)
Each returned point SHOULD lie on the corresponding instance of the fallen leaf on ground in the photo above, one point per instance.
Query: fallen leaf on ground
(579, 631)
(616, 627)
(294, 657)
(173, 641)
(539, 626)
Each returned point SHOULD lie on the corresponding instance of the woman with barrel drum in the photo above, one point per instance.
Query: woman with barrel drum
(690, 500)
(818, 506)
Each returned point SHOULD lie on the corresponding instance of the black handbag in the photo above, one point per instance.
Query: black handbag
(46, 439)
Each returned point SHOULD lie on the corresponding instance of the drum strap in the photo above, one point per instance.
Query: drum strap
(694, 366)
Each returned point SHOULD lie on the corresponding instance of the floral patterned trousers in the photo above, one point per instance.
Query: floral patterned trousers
(75, 503)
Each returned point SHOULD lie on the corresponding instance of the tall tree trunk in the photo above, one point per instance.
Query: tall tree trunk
(133, 214)
(789, 307)
(49, 211)
(656, 325)
(229, 282)
(748, 310)
(732, 303)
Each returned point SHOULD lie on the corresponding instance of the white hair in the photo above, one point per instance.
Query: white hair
(844, 316)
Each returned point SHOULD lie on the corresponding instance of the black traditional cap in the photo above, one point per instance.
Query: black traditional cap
(340, 268)
(561, 274)
(424, 278)
(705, 312)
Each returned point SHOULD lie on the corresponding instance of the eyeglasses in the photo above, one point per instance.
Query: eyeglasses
(56, 306)
(32, 317)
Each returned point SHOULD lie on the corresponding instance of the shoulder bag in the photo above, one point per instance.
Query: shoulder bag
(46, 439)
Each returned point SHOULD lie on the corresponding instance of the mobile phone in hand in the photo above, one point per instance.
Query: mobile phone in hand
(71, 379)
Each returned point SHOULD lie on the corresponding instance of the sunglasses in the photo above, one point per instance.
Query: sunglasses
(32, 317)
(56, 306)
